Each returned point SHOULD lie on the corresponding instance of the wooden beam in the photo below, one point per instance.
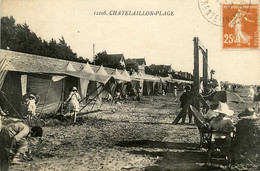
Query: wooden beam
(196, 77)
(205, 69)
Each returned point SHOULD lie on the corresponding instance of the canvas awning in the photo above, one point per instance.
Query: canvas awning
(120, 77)
(88, 73)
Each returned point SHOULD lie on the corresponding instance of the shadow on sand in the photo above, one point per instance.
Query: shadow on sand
(172, 156)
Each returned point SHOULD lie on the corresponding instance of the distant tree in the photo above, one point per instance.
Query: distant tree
(8, 33)
(101, 58)
(19, 37)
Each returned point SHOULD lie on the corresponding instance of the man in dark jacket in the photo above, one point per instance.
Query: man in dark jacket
(186, 100)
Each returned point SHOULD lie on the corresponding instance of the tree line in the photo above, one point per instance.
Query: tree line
(19, 38)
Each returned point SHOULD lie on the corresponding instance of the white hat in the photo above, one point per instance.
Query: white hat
(74, 88)
(33, 96)
(223, 108)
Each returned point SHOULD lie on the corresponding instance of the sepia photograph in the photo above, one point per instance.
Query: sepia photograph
(109, 85)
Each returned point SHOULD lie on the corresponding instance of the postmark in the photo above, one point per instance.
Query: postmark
(211, 10)
(240, 26)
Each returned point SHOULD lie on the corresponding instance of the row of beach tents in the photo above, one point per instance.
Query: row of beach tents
(53, 78)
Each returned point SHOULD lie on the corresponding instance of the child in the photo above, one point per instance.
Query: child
(31, 103)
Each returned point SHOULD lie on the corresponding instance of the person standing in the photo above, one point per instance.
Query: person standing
(26, 99)
(73, 100)
(31, 103)
(247, 143)
(251, 93)
(186, 100)
(175, 93)
(257, 99)
(13, 141)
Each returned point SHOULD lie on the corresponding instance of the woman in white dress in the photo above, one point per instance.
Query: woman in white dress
(73, 100)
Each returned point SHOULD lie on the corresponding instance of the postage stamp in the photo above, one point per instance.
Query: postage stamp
(240, 26)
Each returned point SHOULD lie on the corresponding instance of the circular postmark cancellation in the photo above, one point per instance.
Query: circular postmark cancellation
(212, 10)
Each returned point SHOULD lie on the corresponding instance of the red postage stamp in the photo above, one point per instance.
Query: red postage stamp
(240, 26)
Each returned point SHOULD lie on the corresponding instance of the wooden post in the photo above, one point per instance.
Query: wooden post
(62, 95)
(196, 76)
(94, 54)
(205, 69)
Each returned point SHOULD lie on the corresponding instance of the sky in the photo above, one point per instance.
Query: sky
(160, 39)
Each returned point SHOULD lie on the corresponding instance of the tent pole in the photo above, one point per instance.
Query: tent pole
(90, 93)
(10, 105)
(104, 86)
(103, 89)
(94, 97)
(91, 101)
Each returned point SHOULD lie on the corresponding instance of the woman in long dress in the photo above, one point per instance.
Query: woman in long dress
(73, 100)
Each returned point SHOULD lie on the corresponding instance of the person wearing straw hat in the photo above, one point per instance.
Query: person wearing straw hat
(73, 100)
(26, 98)
(31, 106)
(222, 121)
(247, 142)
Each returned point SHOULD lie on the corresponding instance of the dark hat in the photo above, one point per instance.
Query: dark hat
(187, 87)
(213, 103)
(36, 131)
(249, 113)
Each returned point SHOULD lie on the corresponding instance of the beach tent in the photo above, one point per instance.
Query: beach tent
(50, 78)
(48, 87)
(120, 77)
(88, 72)
(123, 85)
(148, 88)
(120, 82)
(95, 87)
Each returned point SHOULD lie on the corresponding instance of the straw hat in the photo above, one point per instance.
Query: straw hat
(224, 109)
(32, 96)
(249, 113)
(74, 89)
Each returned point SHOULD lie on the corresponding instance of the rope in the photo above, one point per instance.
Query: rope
(10, 105)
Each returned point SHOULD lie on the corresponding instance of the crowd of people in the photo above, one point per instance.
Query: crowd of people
(219, 117)
(246, 142)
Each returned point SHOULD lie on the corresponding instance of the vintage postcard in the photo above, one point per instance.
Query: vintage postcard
(107, 85)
